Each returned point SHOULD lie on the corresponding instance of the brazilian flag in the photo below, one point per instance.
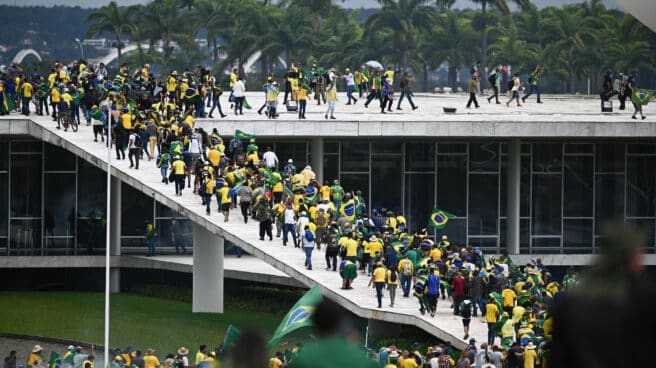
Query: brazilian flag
(439, 218)
(311, 195)
(243, 135)
(55, 360)
(299, 316)
(497, 298)
(642, 96)
(348, 210)
(231, 336)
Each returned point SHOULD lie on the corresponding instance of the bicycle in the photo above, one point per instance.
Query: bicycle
(65, 118)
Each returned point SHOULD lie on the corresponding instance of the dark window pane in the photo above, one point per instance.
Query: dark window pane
(92, 193)
(546, 204)
(452, 184)
(524, 233)
(579, 176)
(578, 147)
(297, 151)
(136, 211)
(547, 157)
(524, 185)
(526, 148)
(386, 179)
(355, 156)
(610, 157)
(419, 156)
(456, 229)
(91, 234)
(165, 211)
(419, 194)
(25, 237)
(578, 234)
(609, 200)
(353, 182)
(647, 227)
(484, 157)
(59, 207)
(26, 146)
(386, 147)
(331, 147)
(546, 243)
(4, 156)
(58, 246)
(4, 251)
(641, 186)
(330, 168)
(487, 245)
(452, 147)
(4, 211)
(58, 159)
(640, 148)
(483, 204)
(26, 185)
(175, 232)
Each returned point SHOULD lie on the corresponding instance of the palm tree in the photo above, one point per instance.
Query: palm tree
(112, 19)
(404, 19)
(510, 49)
(163, 21)
(502, 6)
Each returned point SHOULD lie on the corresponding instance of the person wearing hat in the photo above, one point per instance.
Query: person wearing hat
(36, 357)
(68, 360)
(117, 362)
(272, 100)
(530, 355)
(350, 86)
(182, 360)
(150, 360)
(378, 281)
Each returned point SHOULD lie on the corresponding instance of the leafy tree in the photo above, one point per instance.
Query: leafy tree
(112, 19)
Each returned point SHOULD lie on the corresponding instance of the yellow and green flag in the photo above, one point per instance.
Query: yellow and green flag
(439, 218)
(299, 316)
(642, 96)
(243, 135)
(55, 360)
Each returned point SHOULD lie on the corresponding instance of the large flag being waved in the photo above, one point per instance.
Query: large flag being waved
(439, 218)
(55, 360)
(231, 336)
(299, 316)
(243, 135)
(642, 96)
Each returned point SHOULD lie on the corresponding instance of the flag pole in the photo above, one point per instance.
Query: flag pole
(107, 248)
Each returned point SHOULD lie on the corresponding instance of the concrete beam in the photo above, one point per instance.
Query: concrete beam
(208, 272)
(316, 152)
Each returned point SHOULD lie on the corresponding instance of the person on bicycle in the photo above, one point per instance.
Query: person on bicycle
(64, 108)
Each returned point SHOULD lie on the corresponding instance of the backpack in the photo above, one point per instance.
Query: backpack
(393, 276)
(309, 236)
(137, 141)
(407, 268)
(492, 79)
(263, 213)
(511, 84)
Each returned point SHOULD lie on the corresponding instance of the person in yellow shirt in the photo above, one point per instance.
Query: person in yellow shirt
(325, 191)
(392, 280)
(378, 280)
(302, 99)
(226, 201)
(530, 356)
(350, 246)
(509, 297)
(35, 357)
(55, 99)
(201, 355)
(276, 361)
(178, 167)
(231, 84)
(150, 360)
(209, 184)
(491, 318)
(26, 93)
(406, 272)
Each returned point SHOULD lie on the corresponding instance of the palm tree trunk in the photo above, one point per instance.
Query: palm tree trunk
(571, 78)
(425, 78)
(404, 58)
(482, 73)
(452, 77)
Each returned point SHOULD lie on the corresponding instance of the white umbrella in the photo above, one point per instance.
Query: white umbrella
(374, 64)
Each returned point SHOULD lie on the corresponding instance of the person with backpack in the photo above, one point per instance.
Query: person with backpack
(513, 89)
(151, 237)
(263, 215)
(308, 246)
(495, 82)
(473, 89)
(182, 359)
(392, 284)
(432, 290)
(134, 146)
(406, 271)
(466, 313)
(378, 281)
(332, 247)
(208, 186)
(533, 81)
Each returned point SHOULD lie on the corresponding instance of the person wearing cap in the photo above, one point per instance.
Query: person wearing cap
(179, 168)
(272, 100)
(117, 362)
(337, 193)
(432, 290)
(150, 360)
(307, 239)
(331, 100)
(530, 355)
(378, 281)
(350, 86)
(36, 357)
(68, 360)
(289, 169)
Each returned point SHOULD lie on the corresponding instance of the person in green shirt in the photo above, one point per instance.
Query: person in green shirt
(337, 193)
(533, 82)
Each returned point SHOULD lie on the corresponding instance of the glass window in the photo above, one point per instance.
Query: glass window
(92, 192)
(330, 147)
(297, 151)
(419, 156)
(578, 186)
(487, 245)
(91, 234)
(4, 156)
(419, 197)
(647, 226)
(4, 211)
(386, 182)
(610, 157)
(641, 186)
(546, 243)
(546, 204)
(353, 182)
(524, 233)
(547, 157)
(452, 184)
(59, 207)
(636, 148)
(26, 146)
(26, 185)
(525, 148)
(452, 148)
(330, 167)
(386, 147)
(609, 200)
(456, 229)
(355, 156)
(578, 148)
(58, 246)
(484, 157)
(483, 204)
(165, 211)
(25, 238)
(3, 246)
(136, 211)
(578, 234)
(524, 186)
(58, 159)
(175, 232)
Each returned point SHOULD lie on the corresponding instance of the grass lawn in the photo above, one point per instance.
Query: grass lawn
(135, 321)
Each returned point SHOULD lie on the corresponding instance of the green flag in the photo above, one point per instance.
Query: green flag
(439, 218)
(642, 96)
(55, 360)
(231, 336)
(497, 298)
(243, 136)
(299, 315)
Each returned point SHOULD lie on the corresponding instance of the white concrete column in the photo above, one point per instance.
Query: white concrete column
(513, 196)
(316, 152)
(115, 234)
(208, 272)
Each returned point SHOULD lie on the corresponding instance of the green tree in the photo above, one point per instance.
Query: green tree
(112, 19)
(510, 49)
